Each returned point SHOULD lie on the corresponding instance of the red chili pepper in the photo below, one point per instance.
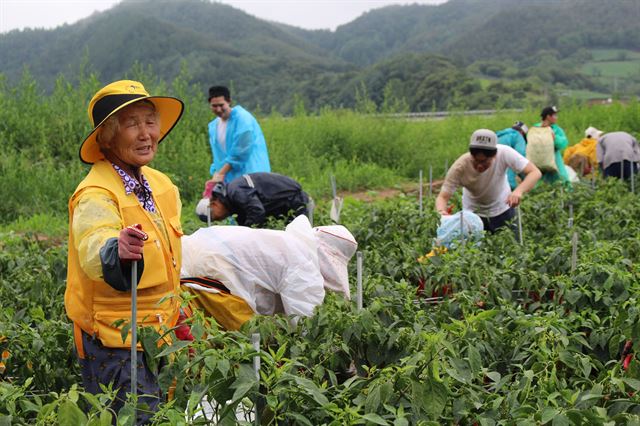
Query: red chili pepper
(183, 331)
(627, 361)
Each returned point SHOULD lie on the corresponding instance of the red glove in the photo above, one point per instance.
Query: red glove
(130, 242)
(208, 188)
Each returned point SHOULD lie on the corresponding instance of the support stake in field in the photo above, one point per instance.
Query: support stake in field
(420, 192)
(336, 203)
(520, 239)
(359, 280)
(430, 180)
(570, 223)
(255, 341)
(574, 251)
(311, 205)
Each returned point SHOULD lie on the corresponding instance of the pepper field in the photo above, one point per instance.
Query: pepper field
(531, 334)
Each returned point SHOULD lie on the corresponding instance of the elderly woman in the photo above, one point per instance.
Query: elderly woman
(119, 197)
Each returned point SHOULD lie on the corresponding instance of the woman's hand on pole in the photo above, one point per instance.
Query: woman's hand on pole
(130, 243)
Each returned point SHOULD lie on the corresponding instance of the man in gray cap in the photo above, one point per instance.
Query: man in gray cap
(482, 174)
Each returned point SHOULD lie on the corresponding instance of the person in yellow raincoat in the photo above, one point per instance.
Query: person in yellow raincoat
(581, 157)
(123, 211)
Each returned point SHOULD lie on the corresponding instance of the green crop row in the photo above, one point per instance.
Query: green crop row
(526, 337)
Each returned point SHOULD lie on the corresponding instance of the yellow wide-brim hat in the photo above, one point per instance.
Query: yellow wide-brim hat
(114, 97)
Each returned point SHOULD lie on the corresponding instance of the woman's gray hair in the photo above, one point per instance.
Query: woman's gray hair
(111, 125)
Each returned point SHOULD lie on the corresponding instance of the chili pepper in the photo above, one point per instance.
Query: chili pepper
(627, 361)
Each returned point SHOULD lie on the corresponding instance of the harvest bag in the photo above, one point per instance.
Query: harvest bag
(540, 149)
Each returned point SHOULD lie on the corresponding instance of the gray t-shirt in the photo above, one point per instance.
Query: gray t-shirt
(616, 147)
(485, 193)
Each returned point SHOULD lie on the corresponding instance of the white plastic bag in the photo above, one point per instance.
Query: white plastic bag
(573, 176)
(464, 224)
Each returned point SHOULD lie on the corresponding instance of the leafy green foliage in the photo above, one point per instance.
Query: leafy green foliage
(523, 338)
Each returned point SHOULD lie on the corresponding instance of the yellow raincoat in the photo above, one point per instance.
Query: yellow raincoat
(586, 148)
(98, 210)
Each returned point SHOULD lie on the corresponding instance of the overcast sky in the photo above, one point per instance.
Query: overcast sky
(311, 14)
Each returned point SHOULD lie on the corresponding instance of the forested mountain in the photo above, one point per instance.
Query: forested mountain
(462, 54)
(393, 30)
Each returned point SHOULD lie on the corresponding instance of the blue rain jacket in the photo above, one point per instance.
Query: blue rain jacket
(560, 143)
(245, 147)
(515, 140)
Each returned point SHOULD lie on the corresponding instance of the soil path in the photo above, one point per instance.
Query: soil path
(384, 193)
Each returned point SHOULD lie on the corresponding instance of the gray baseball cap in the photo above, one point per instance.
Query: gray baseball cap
(484, 139)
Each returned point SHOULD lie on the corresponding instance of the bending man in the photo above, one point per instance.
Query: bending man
(253, 198)
(482, 174)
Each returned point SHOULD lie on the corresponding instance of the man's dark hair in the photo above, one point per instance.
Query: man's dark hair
(550, 110)
(485, 152)
(215, 91)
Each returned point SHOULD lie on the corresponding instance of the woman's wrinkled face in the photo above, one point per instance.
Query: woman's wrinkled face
(135, 142)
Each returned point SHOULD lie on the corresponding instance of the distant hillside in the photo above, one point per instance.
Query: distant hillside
(516, 33)
(219, 43)
(483, 29)
(426, 56)
(393, 30)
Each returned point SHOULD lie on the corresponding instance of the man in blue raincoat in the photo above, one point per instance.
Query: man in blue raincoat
(237, 142)
(515, 137)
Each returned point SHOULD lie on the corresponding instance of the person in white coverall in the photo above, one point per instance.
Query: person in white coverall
(236, 272)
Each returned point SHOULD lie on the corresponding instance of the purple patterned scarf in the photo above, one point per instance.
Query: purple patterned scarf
(142, 191)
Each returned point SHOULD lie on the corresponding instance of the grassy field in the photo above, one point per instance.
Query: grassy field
(40, 136)
(602, 55)
(612, 68)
